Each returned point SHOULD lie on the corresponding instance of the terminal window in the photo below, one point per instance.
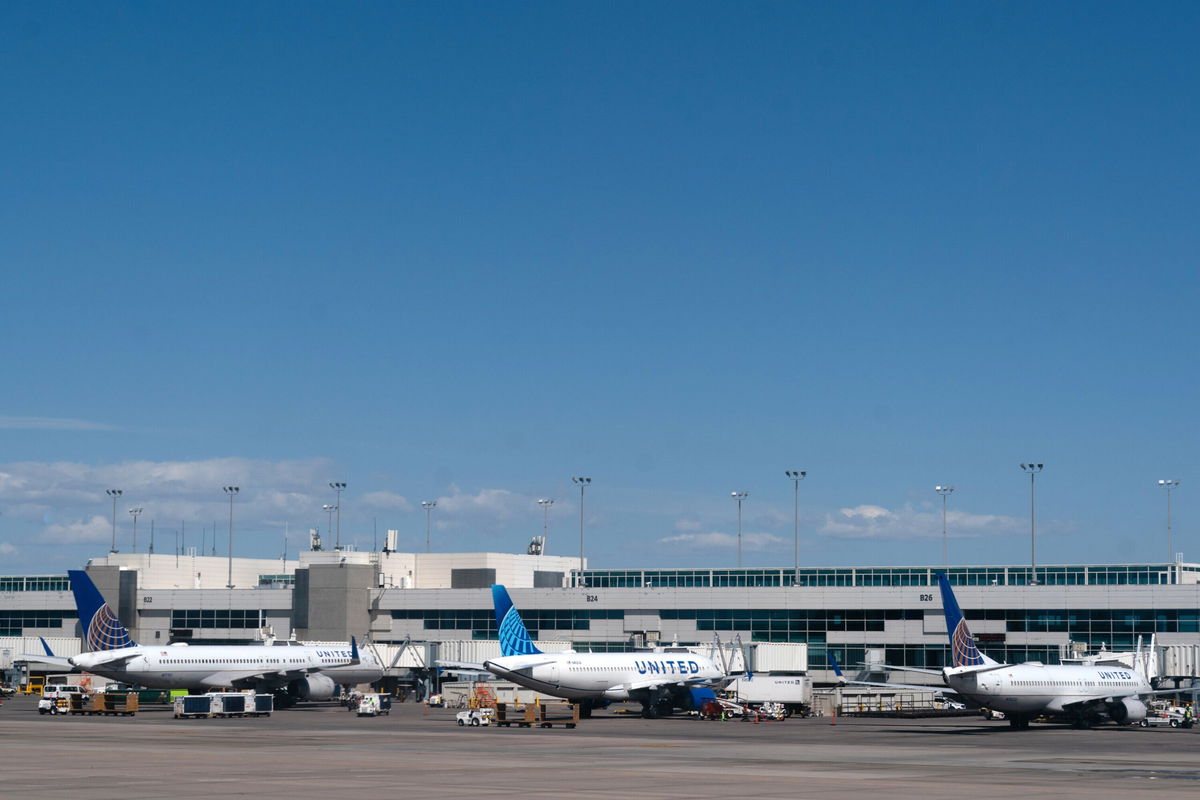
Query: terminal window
(216, 618)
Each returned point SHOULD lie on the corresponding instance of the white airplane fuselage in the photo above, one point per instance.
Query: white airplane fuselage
(612, 676)
(1031, 689)
(185, 667)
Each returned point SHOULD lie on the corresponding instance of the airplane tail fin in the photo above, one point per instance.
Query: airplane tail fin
(46, 647)
(962, 645)
(514, 638)
(101, 628)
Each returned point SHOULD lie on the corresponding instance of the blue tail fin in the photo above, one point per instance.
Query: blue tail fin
(46, 647)
(101, 628)
(962, 644)
(514, 638)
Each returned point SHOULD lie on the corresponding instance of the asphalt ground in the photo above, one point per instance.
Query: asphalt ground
(323, 751)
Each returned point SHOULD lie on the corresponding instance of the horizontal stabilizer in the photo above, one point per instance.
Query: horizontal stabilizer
(893, 668)
(38, 658)
(463, 665)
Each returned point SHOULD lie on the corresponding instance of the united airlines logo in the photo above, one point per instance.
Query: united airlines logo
(514, 639)
(667, 667)
(966, 654)
(105, 631)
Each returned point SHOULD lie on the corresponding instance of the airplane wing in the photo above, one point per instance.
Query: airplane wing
(1110, 696)
(654, 683)
(230, 677)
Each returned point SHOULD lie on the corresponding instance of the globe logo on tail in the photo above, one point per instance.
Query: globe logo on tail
(105, 631)
(514, 639)
(962, 644)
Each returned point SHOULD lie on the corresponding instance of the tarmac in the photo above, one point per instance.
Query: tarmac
(322, 751)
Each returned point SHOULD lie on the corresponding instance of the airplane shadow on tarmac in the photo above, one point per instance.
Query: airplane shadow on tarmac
(987, 730)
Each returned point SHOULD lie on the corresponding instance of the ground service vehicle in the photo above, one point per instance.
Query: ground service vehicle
(476, 717)
(1164, 718)
(56, 698)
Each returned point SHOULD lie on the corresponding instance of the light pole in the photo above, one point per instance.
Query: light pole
(114, 494)
(429, 506)
(739, 496)
(944, 491)
(232, 492)
(1169, 484)
(134, 512)
(545, 503)
(329, 508)
(796, 476)
(339, 487)
(1033, 470)
(582, 483)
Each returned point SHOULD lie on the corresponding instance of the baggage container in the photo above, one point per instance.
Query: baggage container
(193, 705)
(229, 704)
(262, 705)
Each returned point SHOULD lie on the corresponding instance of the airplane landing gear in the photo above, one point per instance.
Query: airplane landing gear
(657, 704)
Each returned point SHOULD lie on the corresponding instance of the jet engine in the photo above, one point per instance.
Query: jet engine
(1126, 710)
(314, 687)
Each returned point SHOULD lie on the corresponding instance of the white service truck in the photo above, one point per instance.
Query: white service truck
(792, 689)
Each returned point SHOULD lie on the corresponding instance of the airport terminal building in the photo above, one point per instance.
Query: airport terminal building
(392, 598)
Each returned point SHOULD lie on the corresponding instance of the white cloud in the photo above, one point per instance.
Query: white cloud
(876, 522)
(487, 504)
(716, 539)
(688, 525)
(96, 529)
(52, 424)
(62, 497)
(64, 483)
(388, 501)
(7, 549)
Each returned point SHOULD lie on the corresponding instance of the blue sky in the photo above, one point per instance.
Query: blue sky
(465, 251)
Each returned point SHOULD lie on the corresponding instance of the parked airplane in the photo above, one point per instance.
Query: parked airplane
(660, 681)
(1082, 695)
(291, 672)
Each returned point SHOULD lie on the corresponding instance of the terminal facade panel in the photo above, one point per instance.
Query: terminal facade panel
(843, 611)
